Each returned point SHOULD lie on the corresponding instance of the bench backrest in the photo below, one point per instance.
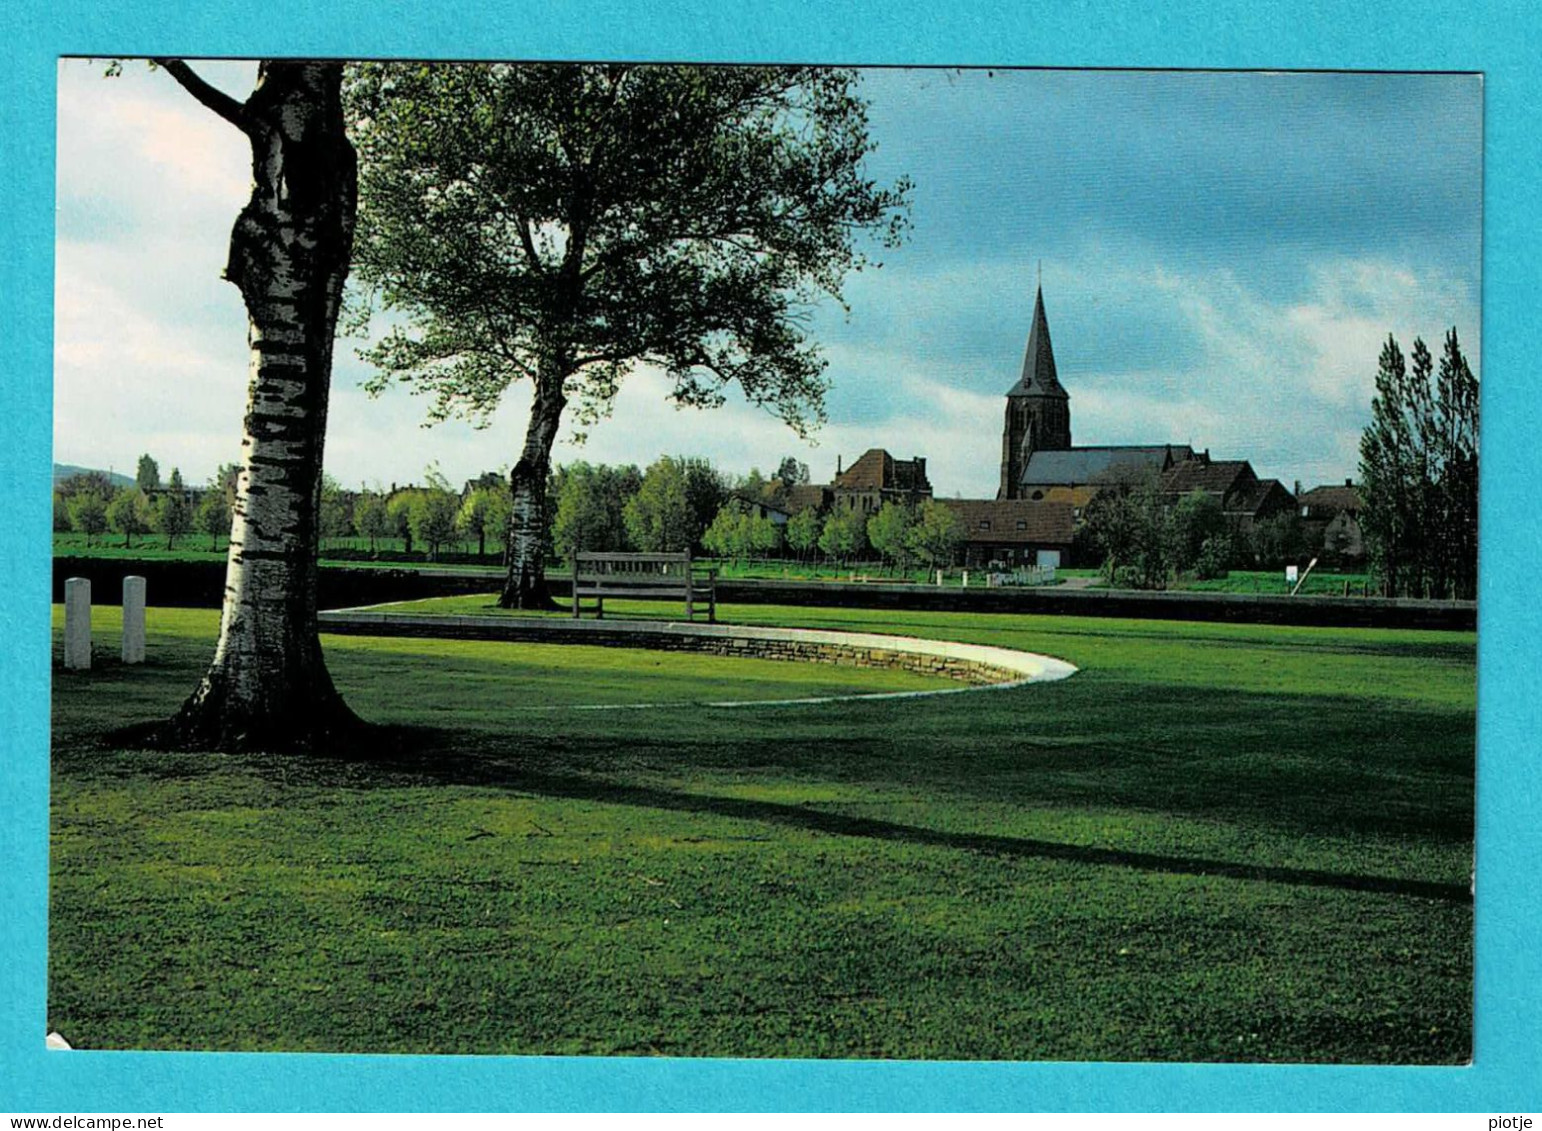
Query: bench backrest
(662, 570)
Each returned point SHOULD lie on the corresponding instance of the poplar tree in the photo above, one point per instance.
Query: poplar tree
(1419, 473)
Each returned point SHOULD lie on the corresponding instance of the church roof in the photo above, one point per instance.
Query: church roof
(1038, 379)
(1078, 466)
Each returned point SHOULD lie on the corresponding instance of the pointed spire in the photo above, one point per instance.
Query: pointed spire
(1039, 378)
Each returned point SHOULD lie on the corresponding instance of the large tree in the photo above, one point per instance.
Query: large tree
(561, 223)
(268, 686)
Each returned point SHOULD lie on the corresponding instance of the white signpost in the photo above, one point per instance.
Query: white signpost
(1290, 575)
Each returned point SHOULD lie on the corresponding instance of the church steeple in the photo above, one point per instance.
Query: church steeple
(1038, 407)
(1039, 378)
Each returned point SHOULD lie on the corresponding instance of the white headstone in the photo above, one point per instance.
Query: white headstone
(77, 623)
(133, 620)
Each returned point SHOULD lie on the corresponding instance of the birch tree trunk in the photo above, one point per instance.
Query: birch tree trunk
(268, 686)
(524, 584)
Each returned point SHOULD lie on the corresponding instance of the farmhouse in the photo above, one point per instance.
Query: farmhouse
(1330, 515)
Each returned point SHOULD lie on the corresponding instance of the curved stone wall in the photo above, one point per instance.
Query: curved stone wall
(975, 664)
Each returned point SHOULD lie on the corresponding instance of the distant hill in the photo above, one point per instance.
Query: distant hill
(63, 471)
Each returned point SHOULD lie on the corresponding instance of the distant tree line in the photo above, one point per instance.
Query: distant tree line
(91, 504)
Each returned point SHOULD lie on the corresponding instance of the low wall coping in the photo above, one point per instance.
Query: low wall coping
(1031, 667)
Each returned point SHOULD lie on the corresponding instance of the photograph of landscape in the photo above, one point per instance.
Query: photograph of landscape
(666, 560)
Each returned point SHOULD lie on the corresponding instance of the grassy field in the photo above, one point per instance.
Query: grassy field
(1215, 842)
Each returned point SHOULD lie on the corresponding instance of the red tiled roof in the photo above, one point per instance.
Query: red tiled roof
(874, 471)
(877, 470)
(1043, 523)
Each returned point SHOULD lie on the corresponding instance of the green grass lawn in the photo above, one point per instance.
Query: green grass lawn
(1216, 842)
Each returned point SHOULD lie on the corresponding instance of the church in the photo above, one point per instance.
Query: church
(1046, 480)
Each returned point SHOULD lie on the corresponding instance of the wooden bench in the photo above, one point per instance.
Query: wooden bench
(645, 577)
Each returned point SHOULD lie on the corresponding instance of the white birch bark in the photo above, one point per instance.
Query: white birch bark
(268, 686)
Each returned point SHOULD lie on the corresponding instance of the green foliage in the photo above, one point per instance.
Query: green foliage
(1214, 558)
(1419, 473)
(844, 534)
(485, 512)
(674, 505)
(148, 475)
(889, 532)
(336, 509)
(431, 515)
(88, 514)
(723, 539)
(212, 515)
(560, 222)
(1193, 521)
(936, 535)
(1125, 525)
(591, 502)
(86, 483)
(129, 513)
(1280, 540)
(738, 533)
(399, 516)
(370, 519)
(803, 531)
(171, 515)
(792, 472)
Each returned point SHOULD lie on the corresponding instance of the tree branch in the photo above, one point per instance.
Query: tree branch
(529, 245)
(215, 99)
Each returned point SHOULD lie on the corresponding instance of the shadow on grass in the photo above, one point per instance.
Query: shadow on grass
(426, 752)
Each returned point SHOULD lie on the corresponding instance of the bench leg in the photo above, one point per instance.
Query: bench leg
(599, 608)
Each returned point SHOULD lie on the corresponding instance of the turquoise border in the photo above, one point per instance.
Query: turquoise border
(1495, 37)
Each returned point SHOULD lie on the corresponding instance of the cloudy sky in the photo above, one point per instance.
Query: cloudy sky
(1222, 256)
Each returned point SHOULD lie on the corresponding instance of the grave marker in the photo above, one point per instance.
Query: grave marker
(133, 620)
(77, 624)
